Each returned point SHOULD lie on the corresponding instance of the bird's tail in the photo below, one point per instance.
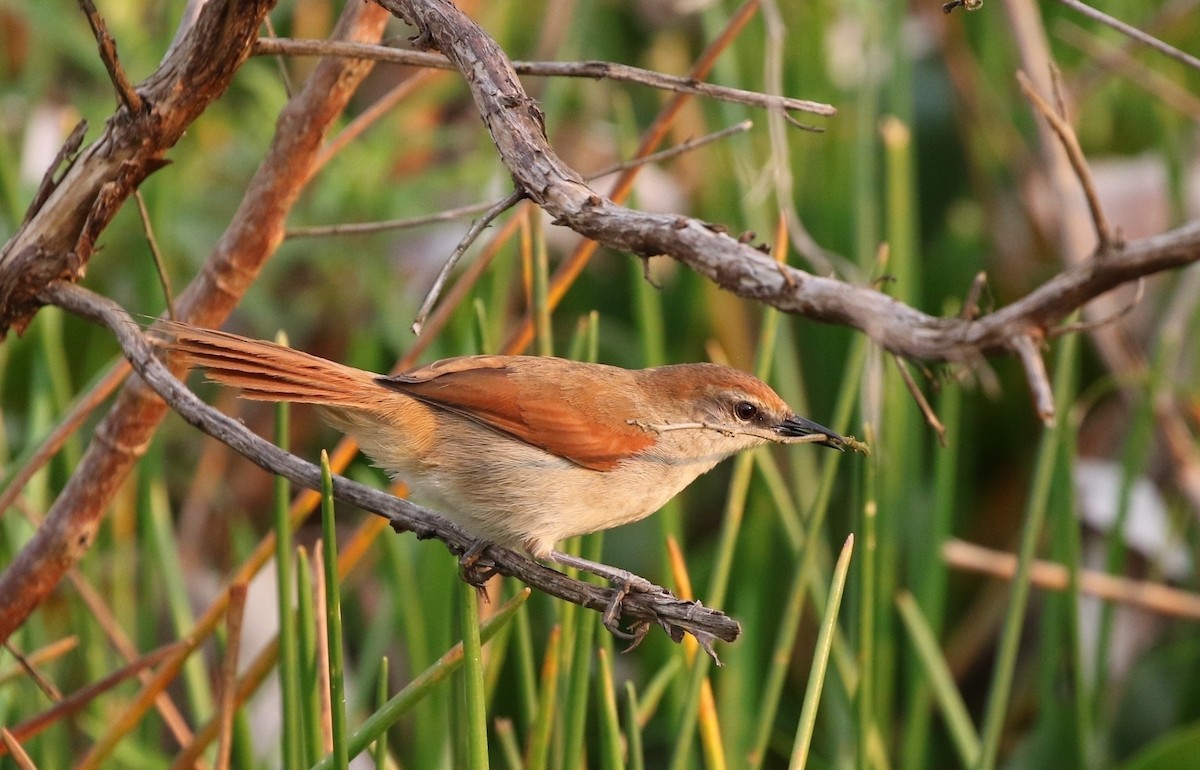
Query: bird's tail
(265, 371)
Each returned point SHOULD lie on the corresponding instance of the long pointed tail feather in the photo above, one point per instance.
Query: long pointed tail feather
(265, 371)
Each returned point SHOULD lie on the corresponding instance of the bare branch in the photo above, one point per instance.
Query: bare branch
(515, 125)
(595, 70)
(1133, 33)
(108, 54)
(56, 241)
(1113, 58)
(464, 243)
(1146, 595)
(673, 615)
(931, 417)
(251, 237)
(362, 228)
(1070, 143)
(1035, 373)
(160, 267)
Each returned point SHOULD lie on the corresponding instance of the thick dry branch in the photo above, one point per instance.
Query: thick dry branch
(673, 615)
(594, 70)
(56, 240)
(516, 127)
(255, 231)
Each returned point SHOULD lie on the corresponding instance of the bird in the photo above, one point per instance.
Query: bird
(521, 451)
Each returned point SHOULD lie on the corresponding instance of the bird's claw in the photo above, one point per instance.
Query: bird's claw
(475, 570)
(612, 613)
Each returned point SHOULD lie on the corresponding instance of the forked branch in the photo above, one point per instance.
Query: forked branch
(516, 127)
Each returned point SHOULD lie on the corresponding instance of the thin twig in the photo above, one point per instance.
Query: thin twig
(366, 228)
(108, 54)
(848, 442)
(160, 267)
(674, 616)
(44, 684)
(1144, 594)
(52, 651)
(595, 70)
(970, 308)
(1134, 33)
(1114, 58)
(513, 198)
(288, 89)
(1035, 374)
(671, 152)
(477, 227)
(66, 427)
(923, 403)
(1070, 143)
(1087, 326)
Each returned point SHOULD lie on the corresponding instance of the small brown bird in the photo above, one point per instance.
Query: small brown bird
(522, 450)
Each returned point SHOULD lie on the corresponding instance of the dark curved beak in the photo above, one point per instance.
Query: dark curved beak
(796, 426)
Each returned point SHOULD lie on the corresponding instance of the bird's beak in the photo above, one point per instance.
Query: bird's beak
(796, 426)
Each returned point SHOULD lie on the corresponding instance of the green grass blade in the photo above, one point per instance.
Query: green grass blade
(291, 744)
(306, 627)
(537, 755)
(1006, 658)
(380, 750)
(806, 571)
(610, 724)
(816, 675)
(475, 712)
(378, 723)
(954, 711)
(333, 620)
(510, 748)
(633, 729)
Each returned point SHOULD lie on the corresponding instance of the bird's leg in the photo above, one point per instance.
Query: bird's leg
(474, 572)
(624, 581)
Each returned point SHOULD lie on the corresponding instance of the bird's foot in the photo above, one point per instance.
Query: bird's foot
(475, 569)
(625, 583)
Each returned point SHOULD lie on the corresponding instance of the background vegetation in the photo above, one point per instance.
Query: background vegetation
(933, 152)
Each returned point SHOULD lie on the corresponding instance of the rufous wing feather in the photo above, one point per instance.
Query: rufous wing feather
(550, 412)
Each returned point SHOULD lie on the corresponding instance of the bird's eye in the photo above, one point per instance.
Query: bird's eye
(745, 411)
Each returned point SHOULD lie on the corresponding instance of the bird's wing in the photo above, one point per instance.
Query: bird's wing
(558, 414)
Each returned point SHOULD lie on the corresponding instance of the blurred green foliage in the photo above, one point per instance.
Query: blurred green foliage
(959, 197)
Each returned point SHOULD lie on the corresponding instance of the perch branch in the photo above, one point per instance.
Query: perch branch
(673, 615)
